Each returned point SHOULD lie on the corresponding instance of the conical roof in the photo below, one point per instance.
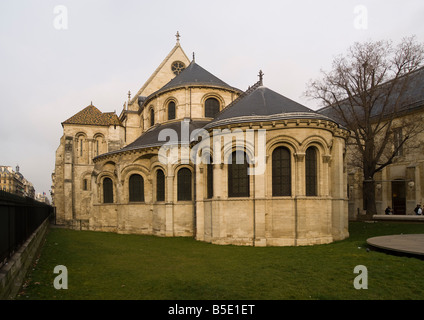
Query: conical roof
(182, 131)
(262, 104)
(195, 75)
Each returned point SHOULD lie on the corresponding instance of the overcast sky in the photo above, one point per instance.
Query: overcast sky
(51, 68)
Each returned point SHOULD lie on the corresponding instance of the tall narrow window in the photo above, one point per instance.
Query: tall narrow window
(238, 178)
(85, 184)
(80, 146)
(98, 144)
(311, 171)
(211, 107)
(136, 188)
(281, 172)
(152, 117)
(398, 137)
(171, 110)
(160, 186)
(209, 178)
(184, 185)
(107, 190)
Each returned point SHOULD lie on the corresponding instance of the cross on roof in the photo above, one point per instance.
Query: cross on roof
(261, 76)
(178, 36)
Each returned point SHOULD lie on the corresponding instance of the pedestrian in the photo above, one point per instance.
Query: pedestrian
(388, 210)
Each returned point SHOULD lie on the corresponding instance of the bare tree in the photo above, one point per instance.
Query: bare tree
(367, 90)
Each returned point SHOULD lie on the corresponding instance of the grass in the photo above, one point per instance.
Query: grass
(104, 266)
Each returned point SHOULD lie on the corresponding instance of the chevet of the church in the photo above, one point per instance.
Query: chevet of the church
(192, 156)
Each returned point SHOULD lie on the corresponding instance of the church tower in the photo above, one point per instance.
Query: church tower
(87, 134)
(174, 63)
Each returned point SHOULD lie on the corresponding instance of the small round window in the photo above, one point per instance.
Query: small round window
(177, 67)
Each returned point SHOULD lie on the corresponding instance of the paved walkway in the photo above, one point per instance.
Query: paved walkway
(403, 243)
(397, 218)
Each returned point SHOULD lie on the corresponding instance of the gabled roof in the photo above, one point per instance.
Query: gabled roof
(92, 116)
(176, 53)
(262, 104)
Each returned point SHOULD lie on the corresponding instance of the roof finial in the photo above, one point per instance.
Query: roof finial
(129, 95)
(91, 103)
(178, 37)
(261, 76)
(194, 57)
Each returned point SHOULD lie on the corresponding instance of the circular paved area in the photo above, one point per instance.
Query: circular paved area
(402, 243)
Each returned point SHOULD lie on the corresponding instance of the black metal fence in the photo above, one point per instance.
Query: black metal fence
(19, 218)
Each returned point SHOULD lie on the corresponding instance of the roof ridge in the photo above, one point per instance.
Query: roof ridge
(249, 90)
(91, 115)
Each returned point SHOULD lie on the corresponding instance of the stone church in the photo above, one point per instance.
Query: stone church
(193, 156)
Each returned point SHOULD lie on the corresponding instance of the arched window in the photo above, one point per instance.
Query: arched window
(107, 190)
(80, 144)
(281, 172)
(85, 184)
(152, 117)
(98, 145)
(160, 186)
(136, 188)
(211, 107)
(311, 172)
(171, 110)
(238, 178)
(209, 182)
(184, 185)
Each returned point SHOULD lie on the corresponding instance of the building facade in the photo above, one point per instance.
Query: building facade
(399, 185)
(192, 156)
(14, 182)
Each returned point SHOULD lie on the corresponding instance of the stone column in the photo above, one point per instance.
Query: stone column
(169, 202)
(300, 174)
(411, 187)
(259, 191)
(339, 204)
(68, 179)
(200, 214)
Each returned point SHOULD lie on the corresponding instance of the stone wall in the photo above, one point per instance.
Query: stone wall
(13, 273)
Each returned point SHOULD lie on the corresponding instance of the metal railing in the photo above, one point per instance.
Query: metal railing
(19, 218)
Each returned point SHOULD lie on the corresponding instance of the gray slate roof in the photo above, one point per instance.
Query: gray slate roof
(262, 104)
(412, 98)
(257, 104)
(152, 137)
(195, 75)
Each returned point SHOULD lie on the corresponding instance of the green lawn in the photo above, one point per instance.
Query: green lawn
(112, 266)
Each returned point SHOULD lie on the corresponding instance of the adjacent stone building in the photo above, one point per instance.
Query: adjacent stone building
(192, 156)
(14, 182)
(400, 185)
